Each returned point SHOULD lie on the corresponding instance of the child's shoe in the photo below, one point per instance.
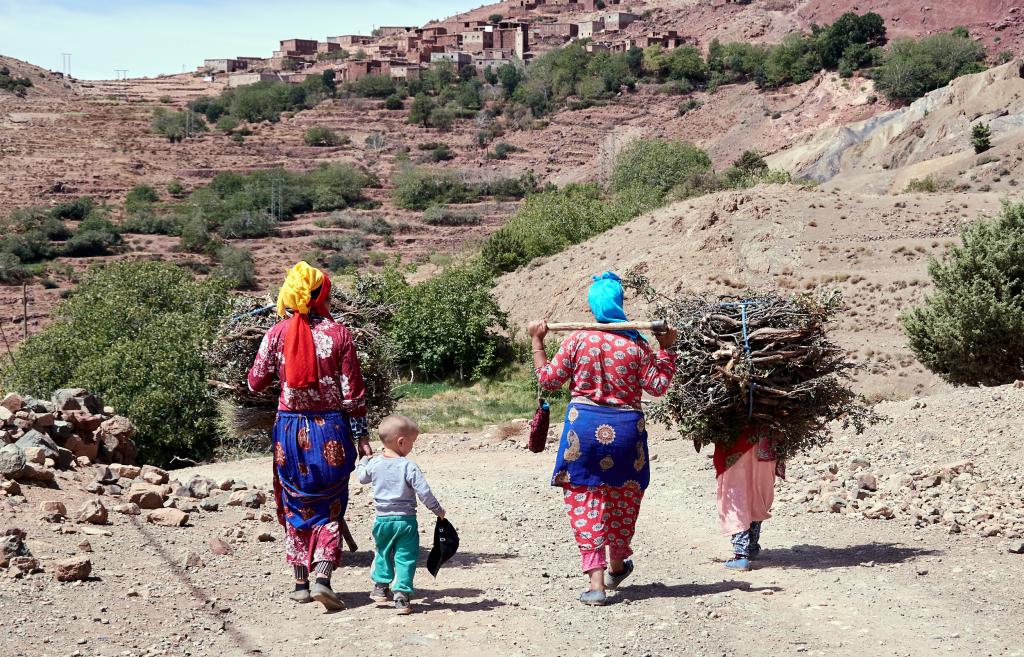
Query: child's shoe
(402, 604)
(301, 595)
(739, 562)
(380, 592)
(594, 598)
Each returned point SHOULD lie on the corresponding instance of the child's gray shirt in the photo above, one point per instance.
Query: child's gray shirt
(396, 483)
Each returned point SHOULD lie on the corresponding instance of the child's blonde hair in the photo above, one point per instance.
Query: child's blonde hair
(396, 426)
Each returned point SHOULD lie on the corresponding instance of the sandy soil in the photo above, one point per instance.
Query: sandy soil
(829, 585)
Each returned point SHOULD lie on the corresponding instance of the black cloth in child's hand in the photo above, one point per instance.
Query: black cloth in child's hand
(446, 544)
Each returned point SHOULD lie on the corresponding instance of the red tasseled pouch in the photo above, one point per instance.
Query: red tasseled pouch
(539, 427)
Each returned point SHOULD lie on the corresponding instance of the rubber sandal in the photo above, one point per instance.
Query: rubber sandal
(613, 580)
(326, 596)
(594, 598)
(302, 596)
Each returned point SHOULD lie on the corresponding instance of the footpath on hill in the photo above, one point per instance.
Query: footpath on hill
(830, 583)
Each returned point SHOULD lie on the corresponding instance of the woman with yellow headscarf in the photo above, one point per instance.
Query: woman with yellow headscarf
(321, 415)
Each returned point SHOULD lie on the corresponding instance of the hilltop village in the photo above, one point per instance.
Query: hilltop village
(530, 28)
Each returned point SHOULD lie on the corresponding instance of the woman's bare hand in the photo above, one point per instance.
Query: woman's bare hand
(537, 329)
(668, 338)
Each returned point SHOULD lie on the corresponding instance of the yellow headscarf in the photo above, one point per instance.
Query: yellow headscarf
(298, 287)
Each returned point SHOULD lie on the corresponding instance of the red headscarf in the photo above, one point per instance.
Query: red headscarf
(300, 363)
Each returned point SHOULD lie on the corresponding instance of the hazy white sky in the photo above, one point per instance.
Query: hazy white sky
(161, 36)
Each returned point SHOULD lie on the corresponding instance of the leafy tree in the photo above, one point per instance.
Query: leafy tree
(393, 102)
(375, 86)
(177, 125)
(913, 68)
(510, 77)
(419, 188)
(490, 77)
(448, 325)
(134, 333)
(981, 137)
(421, 109)
(495, 18)
(319, 135)
(658, 165)
(751, 162)
(849, 30)
(686, 63)
(236, 268)
(793, 61)
(442, 118)
(971, 328)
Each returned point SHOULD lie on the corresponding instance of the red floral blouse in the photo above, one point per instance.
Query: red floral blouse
(609, 369)
(340, 387)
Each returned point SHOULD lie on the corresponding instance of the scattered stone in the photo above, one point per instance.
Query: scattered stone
(219, 546)
(168, 517)
(93, 513)
(21, 566)
(106, 475)
(127, 471)
(33, 438)
(252, 499)
(12, 461)
(867, 481)
(129, 509)
(73, 570)
(33, 472)
(1017, 547)
(225, 484)
(879, 512)
(12, 545)
(265, 537)
(35, 455)
(154, 475)
(147, 496)
(13, 402)
(53, 511)
(192, 560)
(266, 517)
(209, 504)
(200, 487)
(9, 487)
(85, 546)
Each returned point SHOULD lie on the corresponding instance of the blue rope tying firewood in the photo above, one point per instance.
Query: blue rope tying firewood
(746, 349)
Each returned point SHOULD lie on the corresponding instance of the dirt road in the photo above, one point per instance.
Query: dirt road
(828, 585)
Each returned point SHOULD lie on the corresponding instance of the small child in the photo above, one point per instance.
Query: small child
(746, 470)
(397, 482)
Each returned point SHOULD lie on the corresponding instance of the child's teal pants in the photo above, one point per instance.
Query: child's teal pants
(398, 548)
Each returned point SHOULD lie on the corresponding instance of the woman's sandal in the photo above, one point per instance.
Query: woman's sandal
(323, 594)
(302, 596)
(594, 598)
(613, 580)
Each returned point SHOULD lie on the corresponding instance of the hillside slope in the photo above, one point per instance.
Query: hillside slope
(930, 137)
(872, 248)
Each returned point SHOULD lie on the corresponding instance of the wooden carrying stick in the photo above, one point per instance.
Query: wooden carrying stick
(658, 326)
(347, 535)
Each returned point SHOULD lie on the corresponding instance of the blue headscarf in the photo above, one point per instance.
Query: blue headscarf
(605, 298)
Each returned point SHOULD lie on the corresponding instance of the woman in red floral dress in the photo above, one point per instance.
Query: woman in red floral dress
(320, 411)
(603, 466)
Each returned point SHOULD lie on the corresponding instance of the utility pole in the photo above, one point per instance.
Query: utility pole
(65, 64)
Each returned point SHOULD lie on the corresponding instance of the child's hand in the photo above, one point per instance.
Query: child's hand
(440, 516)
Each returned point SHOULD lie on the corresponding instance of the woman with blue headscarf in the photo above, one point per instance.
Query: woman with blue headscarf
(603, 466)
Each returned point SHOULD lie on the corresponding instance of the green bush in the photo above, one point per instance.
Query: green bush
(502, 150)
(196, 236)
(971, 328)
(981, 137)
(48, 223)
(418, 188)
(393, 102)
(438, 152)
(659, 165)
(74, 210)
(177, 125)
(446, 326)
(442, 216)
(28, 247)
(372, 225)
(147, 222)
(140, 197)
(135, 334)
(175, 188)
(95, 236)
(14, 84)
(442, 118)
(11, 269)
(227, 124)
(320, 135)
(913, 68)
(248, 224)
(236, 268)
(341, 253)
(375, 86)
(266, 100)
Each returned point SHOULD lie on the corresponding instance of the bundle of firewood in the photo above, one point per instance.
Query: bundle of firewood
(245, 415)
(762, 358)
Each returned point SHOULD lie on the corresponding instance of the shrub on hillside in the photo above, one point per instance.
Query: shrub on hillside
(418, 188)
(971, 328)
(73, 210)
(177, 125)
(134, 333)
(913, 68)
(11, 82)
(248, 224)
(502, 150)
(320, 135)
(140, 197)
(659, 165)
(393, 102)
(375, 86)
(48, 223)
(264, 101)
(95, 236)
(11, 269)
(442, 216)
(236, 268)
(981, 137)
(147, 222)
(446, 326)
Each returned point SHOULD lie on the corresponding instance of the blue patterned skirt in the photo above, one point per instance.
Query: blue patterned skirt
(602, 446)
(313, 458)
